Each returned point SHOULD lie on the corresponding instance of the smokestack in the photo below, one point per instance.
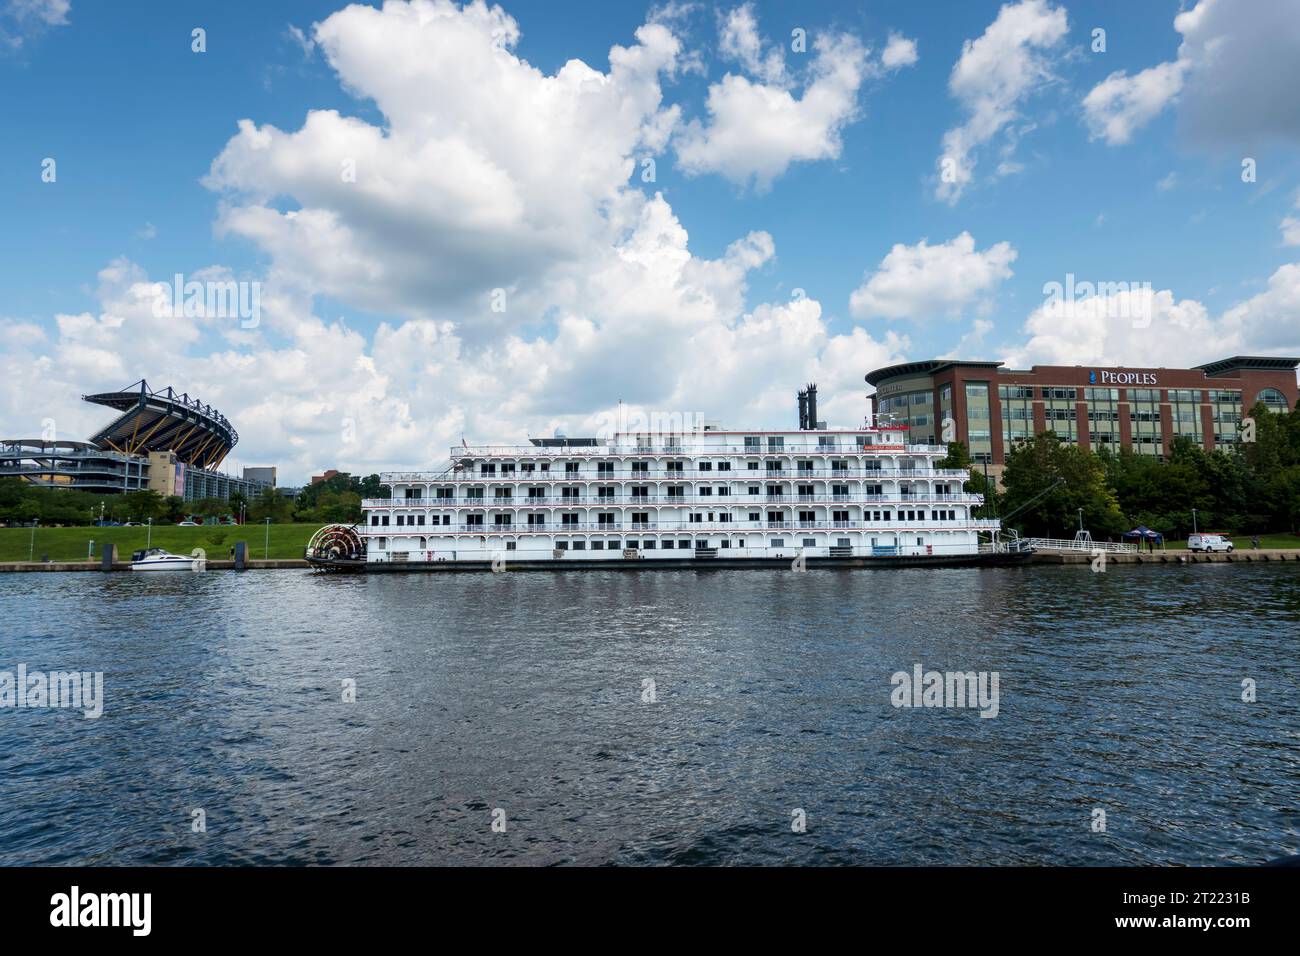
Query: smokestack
(803, 409)
(812, 406)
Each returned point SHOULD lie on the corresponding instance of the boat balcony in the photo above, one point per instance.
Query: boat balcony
(676, 527)
(660, 475)
(723, 501)
(845, 443)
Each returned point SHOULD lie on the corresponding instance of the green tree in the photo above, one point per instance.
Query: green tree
(369, 487)
(12, 495)
(958, 457)
(1266, 441)
(271, 503)
(1034, 467)
(210, 507)
(309, 495)
(144, 504)
(173, 508)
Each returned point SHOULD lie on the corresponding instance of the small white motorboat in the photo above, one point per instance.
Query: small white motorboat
(156, 559)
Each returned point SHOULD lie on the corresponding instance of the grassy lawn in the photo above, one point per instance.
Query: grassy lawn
(69, 544)
(1242, 541)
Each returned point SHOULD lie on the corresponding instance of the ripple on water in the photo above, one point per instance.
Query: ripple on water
(527, 694)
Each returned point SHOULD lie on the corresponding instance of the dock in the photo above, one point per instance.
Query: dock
(1263, 556)
(252, 564)
(1181, 556)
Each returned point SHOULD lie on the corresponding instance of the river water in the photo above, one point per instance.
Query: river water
(710, 717)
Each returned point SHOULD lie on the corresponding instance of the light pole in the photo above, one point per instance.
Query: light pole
(1193, 521)
(1080, 519)
(31, 554)
(148, 539)
(101, 514)
(266, 552)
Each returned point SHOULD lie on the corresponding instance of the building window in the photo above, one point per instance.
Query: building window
(1185, 413)
(1144, 420)
(979, 424)
(1274, 399)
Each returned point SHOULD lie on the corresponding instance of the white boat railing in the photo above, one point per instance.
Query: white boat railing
(846, 446)
(788, 475)
(675, 526)
(1082, 547)
(632, 501)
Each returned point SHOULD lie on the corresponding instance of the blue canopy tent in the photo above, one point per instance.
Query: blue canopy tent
(1143, 533)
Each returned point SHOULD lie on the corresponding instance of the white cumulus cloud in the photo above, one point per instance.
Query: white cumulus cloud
(899, 52)
(924, 281)
(52, 12)
(1143, 326)
(483, 173)
(758, 125)
(1234, 78)
(1290, 227)
(21, 20)
(994, 75)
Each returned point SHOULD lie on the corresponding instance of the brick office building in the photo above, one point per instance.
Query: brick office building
(991, 407)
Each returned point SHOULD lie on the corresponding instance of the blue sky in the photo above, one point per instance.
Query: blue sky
(135, 120)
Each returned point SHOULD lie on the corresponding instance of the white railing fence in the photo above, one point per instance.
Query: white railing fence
(1083, 547)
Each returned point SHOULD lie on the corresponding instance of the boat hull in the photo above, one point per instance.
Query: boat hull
(180, 564)
(678, 564)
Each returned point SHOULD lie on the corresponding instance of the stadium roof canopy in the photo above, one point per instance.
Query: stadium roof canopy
(164, 420)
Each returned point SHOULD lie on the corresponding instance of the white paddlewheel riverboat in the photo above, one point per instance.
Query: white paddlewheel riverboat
(806, 497)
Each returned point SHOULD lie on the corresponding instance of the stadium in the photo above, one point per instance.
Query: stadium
(161, 440)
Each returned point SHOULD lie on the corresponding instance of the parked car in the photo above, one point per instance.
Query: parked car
(1209, 542)
(187, 524)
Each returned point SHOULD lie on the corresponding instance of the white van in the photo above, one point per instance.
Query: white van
(1208, 542)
